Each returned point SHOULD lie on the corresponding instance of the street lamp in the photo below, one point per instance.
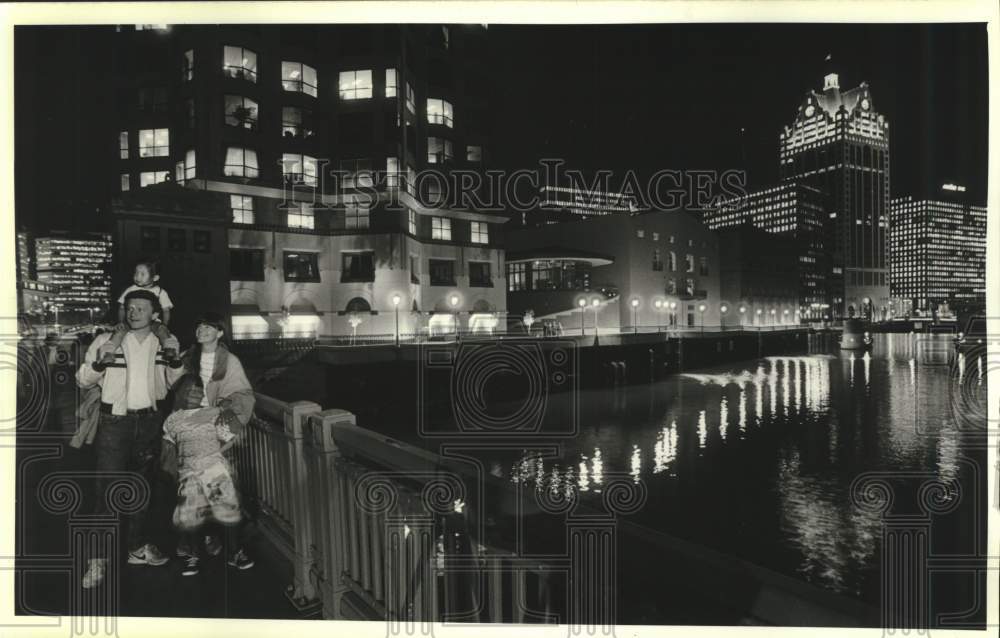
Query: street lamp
(785, 313)
(772, 317)
(635, 314)
(595, 303)
(583, 313)
(658, 304)
(722, 315)
(701, 309)
(757, 319)
(395, 305)
(673, 314)
(743, 312)
(453, 300)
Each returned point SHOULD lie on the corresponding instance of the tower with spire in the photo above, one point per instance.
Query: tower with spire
(838, 143)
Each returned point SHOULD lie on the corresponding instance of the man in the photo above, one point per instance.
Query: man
(129, 433)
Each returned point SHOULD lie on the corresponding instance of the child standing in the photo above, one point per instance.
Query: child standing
(144, 277)
(206, 491)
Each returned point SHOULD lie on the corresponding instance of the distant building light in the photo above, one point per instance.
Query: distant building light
(953, 187)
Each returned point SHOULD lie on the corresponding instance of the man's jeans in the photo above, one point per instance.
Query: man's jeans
(129, 443)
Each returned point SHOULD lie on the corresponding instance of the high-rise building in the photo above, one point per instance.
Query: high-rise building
(839, 144)
(78, 267)
(793, 210)
(938, 252)
(579, 203)
(334, 145)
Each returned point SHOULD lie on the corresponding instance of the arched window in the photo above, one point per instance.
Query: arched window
(358, 304)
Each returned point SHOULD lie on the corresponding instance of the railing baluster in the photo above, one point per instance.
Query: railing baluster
(364, 540)
(494, 566)
(352, 527)
(377, 538)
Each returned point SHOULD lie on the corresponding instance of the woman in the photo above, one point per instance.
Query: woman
(227, 388)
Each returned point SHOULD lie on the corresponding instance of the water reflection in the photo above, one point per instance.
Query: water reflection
(778, 492)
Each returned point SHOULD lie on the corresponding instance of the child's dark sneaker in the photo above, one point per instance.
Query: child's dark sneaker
(240, 560)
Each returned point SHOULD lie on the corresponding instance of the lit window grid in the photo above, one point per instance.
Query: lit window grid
(356, 215)
(123, 144)
(301, 169)
(412, 221)
(439, 112)
(301, 216)
(390, 83)
(299, 78)
(480, 233)
(239, 63)
(439, 150)
(240, 162)
(242, 206)
(441, 228)
(355, 85)
(154, 142)
(236, 103)
(148, 178)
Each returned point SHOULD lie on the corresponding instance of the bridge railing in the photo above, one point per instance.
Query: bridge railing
(374, 528)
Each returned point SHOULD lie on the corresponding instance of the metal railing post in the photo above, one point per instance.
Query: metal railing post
(295, 414)
(331, 526)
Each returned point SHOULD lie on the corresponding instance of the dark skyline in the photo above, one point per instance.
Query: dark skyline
(616, 97)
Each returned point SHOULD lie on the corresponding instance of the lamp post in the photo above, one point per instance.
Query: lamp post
(722, 315)
(701, 309)
(785, 313)
(757, 319)
(673, 314)
(743, 312)
(395, 305)
(595, 303)
(659, 317)
(453, 300)
(635, 314)
(583, 313)
(772, 317)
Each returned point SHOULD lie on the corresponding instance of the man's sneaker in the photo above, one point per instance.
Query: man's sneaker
(190, 566)
(213, 546)
(148, 554)
(240, 560)
(95, 572)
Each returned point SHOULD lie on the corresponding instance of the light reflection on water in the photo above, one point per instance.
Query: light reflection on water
(775, 488)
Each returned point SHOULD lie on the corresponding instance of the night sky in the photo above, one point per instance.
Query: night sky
(600, 97)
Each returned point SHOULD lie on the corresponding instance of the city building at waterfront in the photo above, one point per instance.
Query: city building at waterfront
(76, 270)
(650, 270)
(334, 146)
(758, 275)
(839, 144)
(938, 253)
(794, 210)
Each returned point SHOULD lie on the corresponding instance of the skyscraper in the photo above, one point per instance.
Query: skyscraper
(793, 210)
(839, 144)
(78, 267)
(939, 252)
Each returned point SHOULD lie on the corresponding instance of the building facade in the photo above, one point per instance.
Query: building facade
(793, 210)
(650, 270)
(563, 202)
(938, 254)
(77, 270)
(760, 284)
(839, 144)
(335, 146)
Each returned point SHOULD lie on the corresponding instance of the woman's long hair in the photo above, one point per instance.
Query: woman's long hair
(193, 356)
